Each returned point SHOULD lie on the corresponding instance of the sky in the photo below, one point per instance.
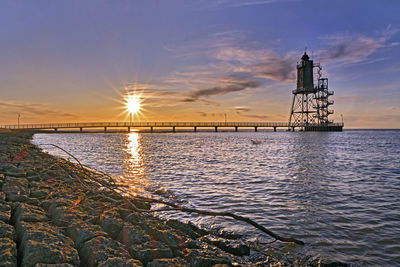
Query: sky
(74, 61)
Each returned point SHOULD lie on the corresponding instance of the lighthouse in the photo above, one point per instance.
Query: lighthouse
(311, 104)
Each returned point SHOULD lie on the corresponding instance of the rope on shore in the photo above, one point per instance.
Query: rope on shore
(112, 186)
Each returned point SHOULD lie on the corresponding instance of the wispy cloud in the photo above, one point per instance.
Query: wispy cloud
(244, 109)
(347, 48)
(33, 109)
(233, 83)
(242, 3)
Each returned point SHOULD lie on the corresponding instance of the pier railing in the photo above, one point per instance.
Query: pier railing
(80, 125)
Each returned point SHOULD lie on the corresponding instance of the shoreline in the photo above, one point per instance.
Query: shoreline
(51, 215)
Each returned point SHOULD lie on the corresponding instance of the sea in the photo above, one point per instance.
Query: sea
(339, 192)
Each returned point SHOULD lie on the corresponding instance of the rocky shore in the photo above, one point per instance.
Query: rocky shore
(52, 216)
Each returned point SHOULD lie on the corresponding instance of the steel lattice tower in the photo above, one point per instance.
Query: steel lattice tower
(310, 103)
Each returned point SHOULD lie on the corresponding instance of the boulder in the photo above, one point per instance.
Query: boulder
(187, 228)
(5, 212)
(2, 195)
(231, 246)
(100, 249)
(1, 179)
(6, 230)
(8, 252)
(16, 189)
(149, 251)
(111, 223)
(200, 258)
(177, 262)
(62, 212)
(131, 235)
(40, 242)
(80, 233)
(14, 172)
(120, 262)
(53, 265)
(29, 213)
(171, 240)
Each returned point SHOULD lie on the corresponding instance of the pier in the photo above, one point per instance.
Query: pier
(105, 126)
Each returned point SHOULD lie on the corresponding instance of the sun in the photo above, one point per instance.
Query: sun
(132, 103)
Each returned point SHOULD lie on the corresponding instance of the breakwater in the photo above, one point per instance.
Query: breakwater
(53, 212)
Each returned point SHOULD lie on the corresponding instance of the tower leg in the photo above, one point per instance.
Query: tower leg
(291, 111)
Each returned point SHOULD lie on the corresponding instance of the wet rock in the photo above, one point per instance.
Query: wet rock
(234, 247)
(54, 265)
(8, 253)
(2, 195)
(169, 239)
(42, 243)
(140, 204)
(6, 230)
(29, 213)
(130, 235)
(39, 193)
(62, 212)
(118, 262)
(178, 262)
(1, 179)
(81, 233)
(130, 216)
(149, 251)
(188, 228)
(100, 249)
(14, 172)
(199, 258)
(5, 212)
(111, 224)
(16, 189)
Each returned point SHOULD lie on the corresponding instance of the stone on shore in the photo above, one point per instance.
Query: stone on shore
(16, 189)
(6, 230)
(40, 242)
(80, 233)
(100, 249)
(53, 265)
(149, 251)
(8, 252)
(5, 212)
(177, 262)
(118, 262)
(29, 213)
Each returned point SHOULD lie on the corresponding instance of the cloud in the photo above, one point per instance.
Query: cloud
(228, 84)
(242, 109)
(354, 48)
(242, 3)
(33, 109)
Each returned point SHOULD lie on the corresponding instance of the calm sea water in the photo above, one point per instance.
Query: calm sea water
(339, 192)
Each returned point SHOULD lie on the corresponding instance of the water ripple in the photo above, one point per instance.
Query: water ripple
(339, 192)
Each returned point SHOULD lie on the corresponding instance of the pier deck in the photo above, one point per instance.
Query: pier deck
(175, 125)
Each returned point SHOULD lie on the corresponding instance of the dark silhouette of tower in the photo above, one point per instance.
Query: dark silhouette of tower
(310, 105)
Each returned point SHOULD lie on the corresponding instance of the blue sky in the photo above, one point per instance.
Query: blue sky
(196, 60)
